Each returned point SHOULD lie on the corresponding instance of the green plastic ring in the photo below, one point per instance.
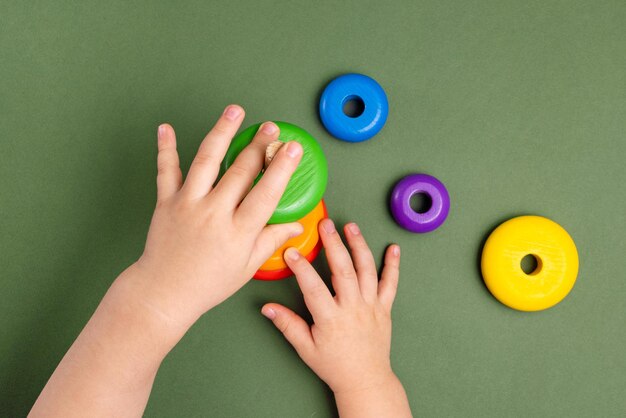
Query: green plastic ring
(308, 183)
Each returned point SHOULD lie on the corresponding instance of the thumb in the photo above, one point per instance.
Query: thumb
(271, 238)
(294, 328)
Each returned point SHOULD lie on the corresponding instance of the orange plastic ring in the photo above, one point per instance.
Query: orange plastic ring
(286, 272)
(304, 242)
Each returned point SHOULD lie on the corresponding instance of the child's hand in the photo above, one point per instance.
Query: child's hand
(205, 241)
(349, 343)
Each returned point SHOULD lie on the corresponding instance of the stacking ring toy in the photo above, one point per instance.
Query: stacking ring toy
(308, 183)
(304, 243)
(353, 87)
(411, 220)
(553, 249)
(286, 272)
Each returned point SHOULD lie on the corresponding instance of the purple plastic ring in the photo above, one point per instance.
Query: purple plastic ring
(411, 220)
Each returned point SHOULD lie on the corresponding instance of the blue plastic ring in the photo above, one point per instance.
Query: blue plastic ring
(349, 87)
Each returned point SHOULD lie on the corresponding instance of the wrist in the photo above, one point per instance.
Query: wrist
(132, 299)
(385, 398)
(378, 380)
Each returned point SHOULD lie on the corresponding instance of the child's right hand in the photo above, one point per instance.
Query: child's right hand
(348, 346)
(207, 238)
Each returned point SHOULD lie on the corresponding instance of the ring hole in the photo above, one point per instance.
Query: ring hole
(531, 264)
(421, 202)
(353, 106)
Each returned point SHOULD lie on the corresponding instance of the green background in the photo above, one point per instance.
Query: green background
(519, 107)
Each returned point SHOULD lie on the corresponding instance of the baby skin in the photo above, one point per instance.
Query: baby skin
(182, 274)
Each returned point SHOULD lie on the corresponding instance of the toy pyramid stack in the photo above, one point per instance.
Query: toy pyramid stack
(302, 200)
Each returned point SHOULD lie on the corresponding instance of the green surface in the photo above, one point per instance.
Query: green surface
(307, 184)
(519, 107)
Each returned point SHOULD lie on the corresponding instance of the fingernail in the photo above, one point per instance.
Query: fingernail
(269, 313)
(292, 254)
(294, 149)
(161, 130)
(297, 230)
(396, 250)
(354, 228)
(328, 226)
(269, 128)
(232, 112)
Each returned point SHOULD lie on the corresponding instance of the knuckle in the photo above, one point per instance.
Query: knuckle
(204, 158)
(368, 262)
(238, 171)
(390, 286)
(163, 167)
(315, 292)
(181, 206)
(335, 242)
(220, 129)
(283, 326)
(371, 275)
(268, 196)
(260, 139)
(165, 162)
(346, 272)
(282, 168)
(360, 244)
(257, 141)
(392, 268)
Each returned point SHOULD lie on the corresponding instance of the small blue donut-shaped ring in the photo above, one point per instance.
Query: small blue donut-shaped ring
(353, 87)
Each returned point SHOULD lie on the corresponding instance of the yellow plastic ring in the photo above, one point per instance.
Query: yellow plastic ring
(305, 242)
(553, 249)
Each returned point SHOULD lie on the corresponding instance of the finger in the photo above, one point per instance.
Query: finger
(271, 239)
(258, 206)
(238, 179)
(343, 275)
(294, 328)
(169, 176)
(363, 262)
(317, 297)
(206, 165)
(389, 278)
